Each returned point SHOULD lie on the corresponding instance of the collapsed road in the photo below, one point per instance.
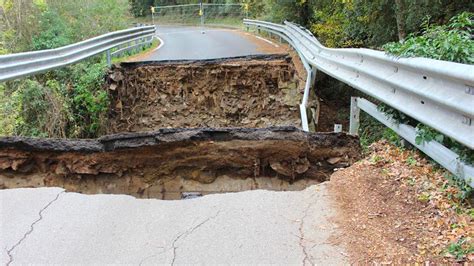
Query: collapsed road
(169, 163)
(180, 130)
(250, 91)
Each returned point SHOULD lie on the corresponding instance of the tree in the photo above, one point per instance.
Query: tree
(400, 16)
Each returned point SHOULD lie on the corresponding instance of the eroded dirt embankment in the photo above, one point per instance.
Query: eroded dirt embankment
(252, 91)
(165, 163)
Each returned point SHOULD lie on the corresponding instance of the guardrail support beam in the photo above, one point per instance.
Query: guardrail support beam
(109, 58)
(444, 156)
(354, 123)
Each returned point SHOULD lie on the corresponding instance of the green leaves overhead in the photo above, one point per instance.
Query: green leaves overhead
(450, 42)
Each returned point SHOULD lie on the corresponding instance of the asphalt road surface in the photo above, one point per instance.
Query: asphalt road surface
(51, 226)
(190, 43)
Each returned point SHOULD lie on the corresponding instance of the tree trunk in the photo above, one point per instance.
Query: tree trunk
(400, 16)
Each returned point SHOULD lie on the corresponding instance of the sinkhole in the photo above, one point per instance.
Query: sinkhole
(183, 129)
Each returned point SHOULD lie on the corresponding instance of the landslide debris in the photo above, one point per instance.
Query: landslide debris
(172, 161)
(252, 91)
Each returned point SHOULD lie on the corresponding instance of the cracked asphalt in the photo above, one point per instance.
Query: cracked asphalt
(51, 226)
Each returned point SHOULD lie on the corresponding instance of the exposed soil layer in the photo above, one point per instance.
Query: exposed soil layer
(252, 91)
(165, 163)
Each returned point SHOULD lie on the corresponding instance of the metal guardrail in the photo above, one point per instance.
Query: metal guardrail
(18, 65)
(437, 93)
(132, 45)
(444, 156)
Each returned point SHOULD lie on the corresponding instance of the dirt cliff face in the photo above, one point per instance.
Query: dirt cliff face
(253, 91)
(165, 163)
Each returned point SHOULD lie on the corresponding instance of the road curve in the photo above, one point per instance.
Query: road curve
(185, 42)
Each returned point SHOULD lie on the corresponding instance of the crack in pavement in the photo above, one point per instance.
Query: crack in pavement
(10, 251)
(188, 232)
(151, 256)
(302, 237)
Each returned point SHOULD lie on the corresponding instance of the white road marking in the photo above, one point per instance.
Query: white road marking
(161, 43)
(268, 41)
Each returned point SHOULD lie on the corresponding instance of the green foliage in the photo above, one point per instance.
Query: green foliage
(53, 32)
(411, 161)
(427, 134)
(36, 110)
(393, 113)
(140, 8)
(66, 103)
(8, 111)
(329, 24)
(452, 42)
(460, 249)
(465, 190)
(88, 18)
(89, 101)
(69, 102)
(39, 24)
(370, 23)
(298, 11)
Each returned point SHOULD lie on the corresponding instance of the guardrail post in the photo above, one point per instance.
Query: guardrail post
(201, 12)
(355, 117)
(109, 58)
(137, 45)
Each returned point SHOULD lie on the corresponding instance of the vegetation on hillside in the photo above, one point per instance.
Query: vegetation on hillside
(69, 102)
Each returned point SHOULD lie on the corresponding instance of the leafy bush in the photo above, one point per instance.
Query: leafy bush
(68, 102)
(89, 101)
(38, 110)
(8, 110)
(452, 42)
(53, 32)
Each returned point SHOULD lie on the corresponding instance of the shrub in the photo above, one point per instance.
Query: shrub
(452, 42)
(40, 110)
(53, 32)
(89, 101)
